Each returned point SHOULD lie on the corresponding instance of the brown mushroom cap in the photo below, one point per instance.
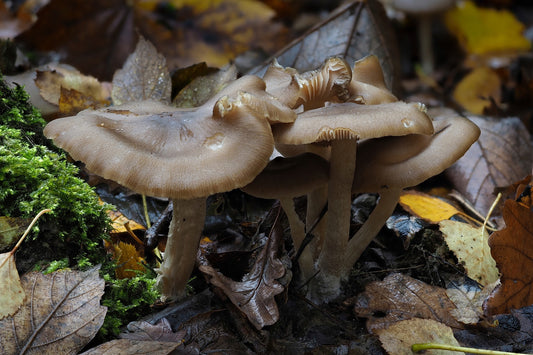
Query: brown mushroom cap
(368, 82)
(352, 121)
(159, 150)
(399, 162)
(289, 177)
(311, 89)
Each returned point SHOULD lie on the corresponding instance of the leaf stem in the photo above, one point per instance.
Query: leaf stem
(427, 346)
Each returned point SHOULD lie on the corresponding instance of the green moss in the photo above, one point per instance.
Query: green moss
(34, 175)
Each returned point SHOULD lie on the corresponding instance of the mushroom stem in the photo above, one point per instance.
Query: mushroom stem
(425, 42)
(182, 245)
(296, 225)
(362, 238)
(342, 167)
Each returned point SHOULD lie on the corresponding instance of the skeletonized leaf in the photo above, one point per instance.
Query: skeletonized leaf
(501, 156)
(254, 294)
(352, 32)
(11, 292)
(60, 315)
(144, 76)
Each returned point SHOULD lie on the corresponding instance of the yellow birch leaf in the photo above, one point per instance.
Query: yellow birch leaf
(470, 245)
(11, 291)
(427, 207)
(478, 89)
(485, 31)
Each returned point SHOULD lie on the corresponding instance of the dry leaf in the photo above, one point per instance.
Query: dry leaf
(352, 32)
(254, 294)
(398, 338)
(10, 230)
(161, 331)
(478, 90)
(11, 291)
(468, 301)
(470, 245)
(429, 208)
(57, 76)
(131, 347)
(144, 76)
(512, 248)
(73, 101)
(129, 261)
(485, 30)
(60, 315)
(401, 297)
(501, 156)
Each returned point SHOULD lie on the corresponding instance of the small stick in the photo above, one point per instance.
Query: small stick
(427, 346)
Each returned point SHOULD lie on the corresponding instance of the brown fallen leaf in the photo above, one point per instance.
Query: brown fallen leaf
(353, 31)
(398, 338)
(73, 101)
(130, 346)
(60, 315)
(254, 294)
(160, 331)
(144, 76)
(400, 297)
(468, 300)
(512, 248)
(501, 156)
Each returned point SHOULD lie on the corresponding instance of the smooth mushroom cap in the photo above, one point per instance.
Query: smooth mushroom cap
(159, 150)
(368, 82)
(398, 162)
(289, 177)
(353, 121)
(422, 7)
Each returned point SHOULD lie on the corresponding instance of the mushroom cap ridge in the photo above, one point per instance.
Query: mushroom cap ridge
(159, 150)
(353, 121)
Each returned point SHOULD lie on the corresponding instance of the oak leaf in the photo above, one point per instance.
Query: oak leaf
(60, 315)
(512, 248)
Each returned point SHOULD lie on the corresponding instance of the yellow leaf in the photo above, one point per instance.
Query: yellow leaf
(486, 31)
(477, 90)
(470, 245)
(11, 291)
(429, 208)
(128, 260)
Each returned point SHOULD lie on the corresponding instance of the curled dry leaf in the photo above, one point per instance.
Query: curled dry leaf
(501, 156)
(401, 297)
(512, 248)
(60, 315)
(254, 294)
(398, 338)
(470, 246)
(144, 76)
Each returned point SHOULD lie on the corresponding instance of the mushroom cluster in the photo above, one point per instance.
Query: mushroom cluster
(323, 122)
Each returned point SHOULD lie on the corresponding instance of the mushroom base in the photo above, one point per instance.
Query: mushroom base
(182, 245)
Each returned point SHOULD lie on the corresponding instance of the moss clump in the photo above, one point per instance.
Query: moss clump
(34, 174)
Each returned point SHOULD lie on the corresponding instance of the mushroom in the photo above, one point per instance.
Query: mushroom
(424, 12)
(368, 83)
(341, 126)
(388, 165)
(284, 179)
(182, 154)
